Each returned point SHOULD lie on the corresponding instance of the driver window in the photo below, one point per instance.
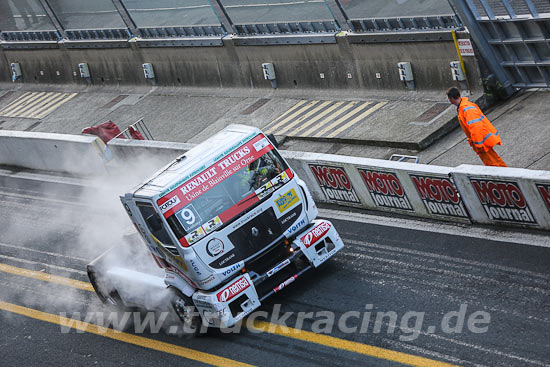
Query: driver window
(154, 222)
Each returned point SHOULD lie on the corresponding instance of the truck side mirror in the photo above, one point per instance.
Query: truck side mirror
(271, 138)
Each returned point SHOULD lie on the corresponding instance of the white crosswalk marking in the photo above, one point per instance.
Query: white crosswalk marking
(36, 105)
(320, 119)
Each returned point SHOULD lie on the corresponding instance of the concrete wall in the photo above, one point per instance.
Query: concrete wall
(465, 194)
(231, 65)
(81, 155)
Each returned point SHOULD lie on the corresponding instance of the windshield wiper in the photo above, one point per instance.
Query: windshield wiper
(247, 200)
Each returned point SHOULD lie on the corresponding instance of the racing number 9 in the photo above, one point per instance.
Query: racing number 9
(188, 216)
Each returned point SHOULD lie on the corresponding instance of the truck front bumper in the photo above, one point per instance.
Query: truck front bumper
(241, 296)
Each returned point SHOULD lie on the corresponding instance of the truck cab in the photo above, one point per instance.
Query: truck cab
(230, 223)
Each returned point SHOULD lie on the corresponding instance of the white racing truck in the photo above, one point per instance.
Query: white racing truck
(229, 223)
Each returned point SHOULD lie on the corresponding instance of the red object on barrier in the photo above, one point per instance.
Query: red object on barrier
(106, 131)
(134, 133)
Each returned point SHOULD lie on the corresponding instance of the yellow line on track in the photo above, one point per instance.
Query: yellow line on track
(46, 277)
(122, 336)
(267, 327)
(350, 346)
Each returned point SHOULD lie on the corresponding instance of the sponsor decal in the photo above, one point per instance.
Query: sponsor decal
(243, 314)
(264, 190)
(200, 169)
(285, 283)
(439, 196)
(225, 259)
(385, 189)
(296, 226)
(214, 247)
(287, 200)
(212, 225)
(503, 201)
(278, 267)
(201, 297)
(188, 217)
(261, 144)
(204, 282)
(206, 179)
(247, 217)
(233, 289)
(195, 267)
(195, 236)
(128, 210)
(231, 269)
(175, 185)
(335, 183)
(229, 150)
(544, 190)
(172, 202)
(289, 217)
(315, 234)
(204, 305)
(174, 259)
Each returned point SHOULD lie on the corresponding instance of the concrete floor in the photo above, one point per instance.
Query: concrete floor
(192, 114)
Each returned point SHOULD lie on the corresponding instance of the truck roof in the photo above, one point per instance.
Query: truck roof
(196, 160)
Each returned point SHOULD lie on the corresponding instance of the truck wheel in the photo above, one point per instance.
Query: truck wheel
(185, 310)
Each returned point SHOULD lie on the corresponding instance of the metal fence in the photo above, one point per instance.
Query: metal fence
(514, 38)
(162, 22)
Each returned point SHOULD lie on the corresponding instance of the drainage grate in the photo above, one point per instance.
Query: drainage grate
(259, 103)
(430, 114)
(115, 100)
(30, 128)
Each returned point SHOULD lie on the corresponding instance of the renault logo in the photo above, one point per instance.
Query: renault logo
(255, 232)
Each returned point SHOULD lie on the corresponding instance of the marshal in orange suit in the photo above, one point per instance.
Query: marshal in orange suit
(482, 135)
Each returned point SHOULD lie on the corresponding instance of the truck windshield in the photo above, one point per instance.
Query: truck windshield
(202, 207)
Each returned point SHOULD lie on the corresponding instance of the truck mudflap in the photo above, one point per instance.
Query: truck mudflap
(320, 242)
(229, 304)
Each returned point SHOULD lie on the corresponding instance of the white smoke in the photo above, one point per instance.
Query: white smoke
(79, 229)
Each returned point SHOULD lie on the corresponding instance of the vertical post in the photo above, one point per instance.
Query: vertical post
(532, 8)
(222, 15)
(57, 24)
(339, 14)
(491, 58)
(126, 18)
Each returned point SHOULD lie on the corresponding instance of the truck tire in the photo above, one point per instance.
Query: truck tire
(186, 311)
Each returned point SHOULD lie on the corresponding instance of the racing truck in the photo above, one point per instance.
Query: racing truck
(228, 224)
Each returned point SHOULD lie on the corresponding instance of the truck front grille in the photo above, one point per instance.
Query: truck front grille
(256, 234)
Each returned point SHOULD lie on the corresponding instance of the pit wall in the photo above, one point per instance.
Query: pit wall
(351, 62)
(466, 194)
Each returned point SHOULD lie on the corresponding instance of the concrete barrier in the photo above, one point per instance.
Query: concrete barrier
(505, 196)
(81, 155)
(478, 194)
(406, 188)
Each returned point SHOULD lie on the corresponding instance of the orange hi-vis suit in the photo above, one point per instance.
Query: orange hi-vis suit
(482, 135)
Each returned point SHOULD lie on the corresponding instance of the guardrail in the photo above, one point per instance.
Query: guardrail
(465, 194)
